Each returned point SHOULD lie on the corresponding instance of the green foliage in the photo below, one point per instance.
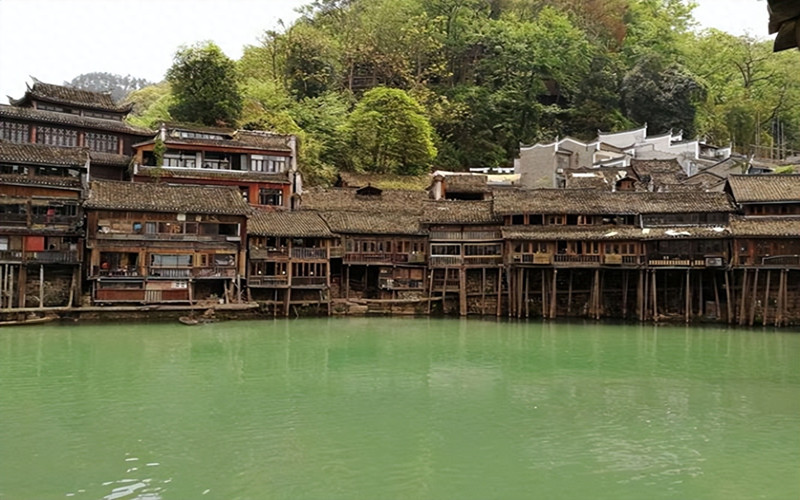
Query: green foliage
(205, 86)
(150, 105)
(119, 86)
(387, 132)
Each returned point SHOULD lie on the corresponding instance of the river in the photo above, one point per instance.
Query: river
(367, 408)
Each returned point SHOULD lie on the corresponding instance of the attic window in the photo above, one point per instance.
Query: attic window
(185, 134)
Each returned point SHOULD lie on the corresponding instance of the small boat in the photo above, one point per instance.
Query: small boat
(188, 320)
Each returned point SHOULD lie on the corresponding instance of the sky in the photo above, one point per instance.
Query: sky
(57, 40)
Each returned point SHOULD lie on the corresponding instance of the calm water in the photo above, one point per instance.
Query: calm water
(398, 408)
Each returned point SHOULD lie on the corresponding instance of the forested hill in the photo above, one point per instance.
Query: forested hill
(403, 85)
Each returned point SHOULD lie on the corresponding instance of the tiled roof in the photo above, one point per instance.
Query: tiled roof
(607, 233)
(72, 96)
(35, 115)
(766, 226)
(346, 199)
(40, 154)
(263, 139)
(372, 223)
(459, 212)
(254, 140)
(288, 224)
(159, 197)
(467, 183)
(662, 172)
(41, 180)
(765, 188)
(110, 159)
(199, 173)
(594, 202)
(385, 181)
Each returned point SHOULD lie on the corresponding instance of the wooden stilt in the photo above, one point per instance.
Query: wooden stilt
(765, 309)
(444, 290)
(554, 295)
(430, 289)
(569, 295)
(511, 275)
(499, 284)
(598, 297)
(639, 297)
(462, 292)
(287, 301)
(544, 293)
(347, 282)
(41, 286)
(717, 312)
(22, 285)
(702, 305)
(483, 291)
(743, 298)
(780, 305)
(728, 298)
(687, 307)
(654, 290)
(753, 299)
(625, 294)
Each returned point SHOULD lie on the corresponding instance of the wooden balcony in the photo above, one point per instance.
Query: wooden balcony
(118, 272)
(675, 262)
(465, 235)
(377, 258)
(281, 281)
(310, 253)
(781, 260)
(336, 252)
(544, 259)
(483, 260)
(43, 257)
(164, 237)
(268, 253)
(570, 260)
(445, 260)
(192, 272)
(400, 284)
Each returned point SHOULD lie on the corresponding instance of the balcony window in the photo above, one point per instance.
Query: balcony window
(14, 132)
(166, 260)
(13, 170)
(104, 143)
(272, 197)
(53, 136)
(268, 164)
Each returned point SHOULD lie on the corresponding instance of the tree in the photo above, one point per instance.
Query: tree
(119, 86)
(205, 86)
(387, 132)
(663, 96)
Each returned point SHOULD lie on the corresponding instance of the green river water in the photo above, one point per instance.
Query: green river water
(377, 408)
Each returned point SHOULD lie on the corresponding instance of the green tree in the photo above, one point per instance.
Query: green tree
(205, 86)
(388, 132)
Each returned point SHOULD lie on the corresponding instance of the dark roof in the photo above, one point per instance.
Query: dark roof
(604, 178)
(373, 223)
(288, 224)
(766, 226)
(609, 233)
(459, 212)
(198, 173)
(661, 172)
(590, 201)
(254, 140)
(345, 199)
(110, 159)
(71, 96)
(159, 197)
(467, 183)
(39, 154)
(765, 188)
(384, 181)
(36, 115)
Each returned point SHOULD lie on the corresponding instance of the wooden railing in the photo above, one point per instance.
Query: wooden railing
(119, 272)
(214, 272)
(400, 284)
(267, 281)
(483, 260)
(465, 235)
(576, 259)
(160, 236)
(533, 258)
(336, 252)
(675, 262)
(42, 257)
(781, 260)
(445, 260)
(310, 253)
(394, 258)
(189, 272)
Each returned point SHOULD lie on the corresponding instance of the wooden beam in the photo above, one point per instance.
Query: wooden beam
(717, 312)
(753, 299)
(765, 309)
(728, 298)
(687, 306)
(654, 291)
(554, 295)
(743, 298)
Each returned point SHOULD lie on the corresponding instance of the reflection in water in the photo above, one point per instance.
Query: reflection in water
(398, 408)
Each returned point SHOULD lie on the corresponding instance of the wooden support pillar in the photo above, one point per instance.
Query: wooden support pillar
(511, 275)
(598, 295)
(22, 285)
(569, 295)
(717, 312)
(640, 296)
(625, 294)
(347, 281)
(498, 306)
(780, 304)
(554, 295)
(444, 290)
(765, 309)
(742, 300)
(462, 291)
(654, 290)
(41, 286)
(702, 304)
(287, 300)
(483, 291)
(544, 292)
(687, 306)
(753, 299)
(728, 298)
(430, 289)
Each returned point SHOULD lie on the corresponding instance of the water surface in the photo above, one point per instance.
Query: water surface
(398, 408)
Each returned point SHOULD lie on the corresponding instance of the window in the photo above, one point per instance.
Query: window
(14, 132)
(270, 197)
(269, 164)
(555, 220)
(56, 136)
(13, 170)
(445, 250)
(105, 143)
(162, 260)
(3, 243)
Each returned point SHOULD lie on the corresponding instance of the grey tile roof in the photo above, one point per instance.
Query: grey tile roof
(39, 154)
(346, 199)
(198, 173)
(765, 188)
(74, 97)
(110, 159)
(288, 224)
(595, 202)
(35, 115)
(372, 223)
(610, 233)
(766, 226)
(160, 197)
(459, 212)
(385, 181)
